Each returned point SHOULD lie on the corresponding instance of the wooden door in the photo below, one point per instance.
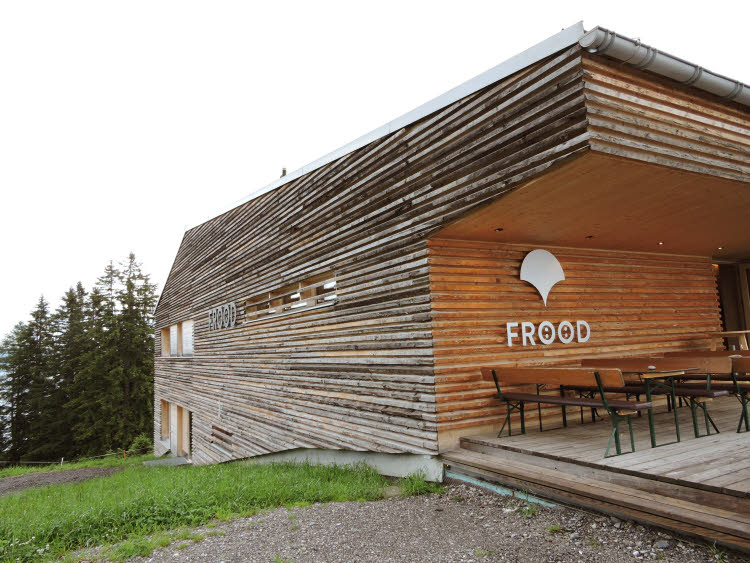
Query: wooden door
(173, 427)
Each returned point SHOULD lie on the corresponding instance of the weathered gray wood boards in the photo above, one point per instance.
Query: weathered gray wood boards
(358, 375)
(636, 115)
(361, 374)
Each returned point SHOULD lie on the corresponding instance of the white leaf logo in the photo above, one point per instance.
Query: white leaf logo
(542, 270)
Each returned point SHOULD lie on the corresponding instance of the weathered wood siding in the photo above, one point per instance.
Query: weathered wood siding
(635, 303)
(638, 115)
(358, 375)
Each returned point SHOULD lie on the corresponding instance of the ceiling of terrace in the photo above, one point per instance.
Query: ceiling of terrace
(606, 202)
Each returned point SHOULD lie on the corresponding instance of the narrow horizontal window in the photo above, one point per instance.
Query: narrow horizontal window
(312, 293)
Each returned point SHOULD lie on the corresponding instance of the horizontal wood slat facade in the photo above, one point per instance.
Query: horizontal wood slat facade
(640, 116)
(635, 304)
(359, 374)
(394, 361)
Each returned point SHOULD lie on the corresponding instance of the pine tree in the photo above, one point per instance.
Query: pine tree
(38, 347)
(72, 346)
(80, 382)
(136, 298)
(14, 392)
(91, 402)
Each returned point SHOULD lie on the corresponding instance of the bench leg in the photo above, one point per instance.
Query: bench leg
(708, 419)
(630, 429)
(509, 408)
(506, 421)
(693, 408)
(615, 435)
(743, 417)
(523, 421)
(539, 416)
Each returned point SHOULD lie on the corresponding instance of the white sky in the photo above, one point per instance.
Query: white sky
(123, 122)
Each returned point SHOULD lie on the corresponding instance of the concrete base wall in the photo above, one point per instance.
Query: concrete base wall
(392, 465)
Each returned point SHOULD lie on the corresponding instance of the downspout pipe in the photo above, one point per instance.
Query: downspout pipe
(604, 42)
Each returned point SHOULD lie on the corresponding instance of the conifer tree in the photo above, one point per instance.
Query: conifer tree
(72, 346)
(38, 347)
(91, 402)
(136, 300)
(14, 392)
(80, 382)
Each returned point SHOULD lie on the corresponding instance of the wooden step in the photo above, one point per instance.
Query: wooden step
(691, 494)
(725, 525)
(699, 467)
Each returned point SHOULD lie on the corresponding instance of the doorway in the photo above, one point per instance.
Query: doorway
(180, 423)
(733, 281)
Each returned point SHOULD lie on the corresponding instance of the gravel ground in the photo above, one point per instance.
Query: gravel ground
(21, 482)
(466, 523)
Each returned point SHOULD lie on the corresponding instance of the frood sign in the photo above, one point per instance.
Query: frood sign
(547, 333)
(541, 269)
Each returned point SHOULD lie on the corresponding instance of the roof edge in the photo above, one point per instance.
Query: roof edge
(602, 41)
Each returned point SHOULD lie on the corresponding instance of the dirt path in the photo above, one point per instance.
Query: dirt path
(464, 524)
(21, 482)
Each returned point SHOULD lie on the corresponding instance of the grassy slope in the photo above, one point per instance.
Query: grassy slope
(111, 461)
(143, 500)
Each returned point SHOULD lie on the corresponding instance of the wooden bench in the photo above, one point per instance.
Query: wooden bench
(704, 368)
(541, 378)
(739, 384)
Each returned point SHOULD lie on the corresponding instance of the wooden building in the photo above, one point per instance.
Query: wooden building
(349, 305)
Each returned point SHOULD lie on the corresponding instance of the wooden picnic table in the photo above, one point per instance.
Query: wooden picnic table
(664, 379)
(652, 378)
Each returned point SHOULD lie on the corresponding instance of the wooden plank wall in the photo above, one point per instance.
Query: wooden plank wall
(638, 115)
(358, 375)
(635, 303)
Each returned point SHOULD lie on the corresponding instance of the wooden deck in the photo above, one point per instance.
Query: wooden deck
(699, 487)
(719, 462)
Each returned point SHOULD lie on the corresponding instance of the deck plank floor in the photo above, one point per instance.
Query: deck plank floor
(719, 462)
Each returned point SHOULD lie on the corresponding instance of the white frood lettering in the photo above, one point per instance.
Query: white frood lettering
(511, 333)
(546, 332)
(565, 332)
(583, 324)
(527, 333)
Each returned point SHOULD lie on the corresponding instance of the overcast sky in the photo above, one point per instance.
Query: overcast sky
(121, 123)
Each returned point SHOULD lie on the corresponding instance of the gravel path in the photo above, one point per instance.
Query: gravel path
(466, 523)
(21, 482)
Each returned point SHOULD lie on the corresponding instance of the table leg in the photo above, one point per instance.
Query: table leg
(674, 410)
(650, 415)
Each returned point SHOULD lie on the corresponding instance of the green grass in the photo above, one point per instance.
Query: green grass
(530, 510)
(140, 501)
(111, 461)
(416, 484)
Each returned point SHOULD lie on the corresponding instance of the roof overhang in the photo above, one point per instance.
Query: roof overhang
(607, 202)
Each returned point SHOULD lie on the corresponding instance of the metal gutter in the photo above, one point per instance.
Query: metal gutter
(605, 42)
(565, 38)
